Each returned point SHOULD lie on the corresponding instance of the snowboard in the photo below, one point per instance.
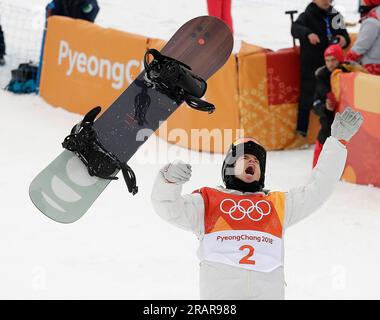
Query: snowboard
(65, 190)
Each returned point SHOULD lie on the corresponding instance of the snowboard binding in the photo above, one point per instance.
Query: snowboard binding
(175, 79)
(84, 142)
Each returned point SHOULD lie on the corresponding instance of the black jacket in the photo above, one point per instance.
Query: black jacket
(322, 88)
(77, 9)
(2, 43)
(313, 21)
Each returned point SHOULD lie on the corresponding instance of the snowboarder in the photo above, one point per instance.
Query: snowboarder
(366, 49)
(241, 226)
(325, 101)
(316, 28)
(2, 47)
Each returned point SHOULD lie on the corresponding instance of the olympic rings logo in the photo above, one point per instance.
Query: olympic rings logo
(238, 212)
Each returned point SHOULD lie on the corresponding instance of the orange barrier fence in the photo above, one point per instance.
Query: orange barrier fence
(361, 92)
(268, 94)
(86, 65)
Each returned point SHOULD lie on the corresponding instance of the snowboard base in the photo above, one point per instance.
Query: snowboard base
(65, 194)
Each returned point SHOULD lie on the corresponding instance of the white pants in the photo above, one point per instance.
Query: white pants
(224, 282)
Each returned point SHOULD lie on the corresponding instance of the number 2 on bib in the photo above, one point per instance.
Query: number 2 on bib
(245, 259)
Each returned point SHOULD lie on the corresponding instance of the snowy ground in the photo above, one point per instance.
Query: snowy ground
(120, 248)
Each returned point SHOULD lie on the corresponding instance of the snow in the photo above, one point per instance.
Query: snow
(121, 249)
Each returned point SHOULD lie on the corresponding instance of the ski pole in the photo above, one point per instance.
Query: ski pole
(292, 13)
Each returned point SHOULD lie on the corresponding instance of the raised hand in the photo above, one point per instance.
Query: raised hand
(346, 124)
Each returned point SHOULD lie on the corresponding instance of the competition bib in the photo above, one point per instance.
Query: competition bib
(243, 230)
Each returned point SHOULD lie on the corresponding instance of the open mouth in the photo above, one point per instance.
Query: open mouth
(250, 170)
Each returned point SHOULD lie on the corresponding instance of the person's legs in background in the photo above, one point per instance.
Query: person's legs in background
(215, 8)
(220, 9)
(304, 107)
(2, 47)
(226, 13)
(317, 151)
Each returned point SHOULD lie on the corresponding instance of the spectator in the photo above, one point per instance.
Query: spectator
(220, 9)
(366, 49)
(316, 28)
(325, 102)
(77, 9)
(2, 47)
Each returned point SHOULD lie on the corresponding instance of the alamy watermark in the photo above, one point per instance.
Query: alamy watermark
(217, 140)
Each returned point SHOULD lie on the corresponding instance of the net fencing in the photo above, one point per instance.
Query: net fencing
(23, 31)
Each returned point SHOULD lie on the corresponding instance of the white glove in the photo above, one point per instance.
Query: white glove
(347, 124)
(177, 172)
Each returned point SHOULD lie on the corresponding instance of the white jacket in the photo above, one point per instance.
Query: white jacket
(367, 43)
(221, 281)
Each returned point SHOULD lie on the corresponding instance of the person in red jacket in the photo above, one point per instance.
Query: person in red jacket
(220, 9)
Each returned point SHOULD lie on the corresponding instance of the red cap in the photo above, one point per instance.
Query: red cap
(336, 51)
